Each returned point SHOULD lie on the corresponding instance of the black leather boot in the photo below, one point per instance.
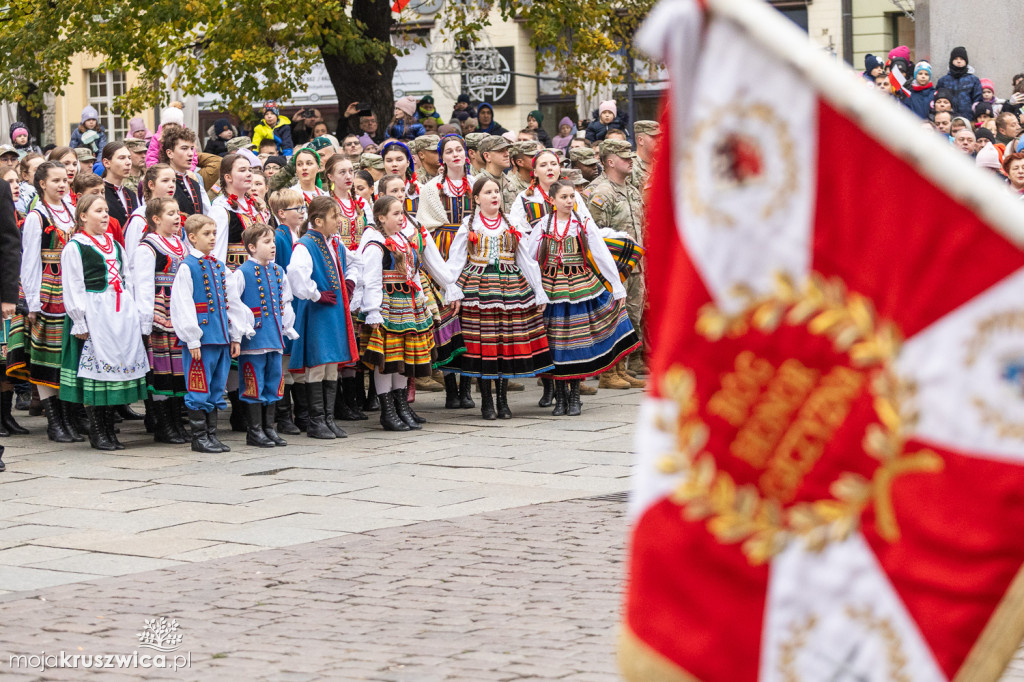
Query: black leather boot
(75, 421)
(268, 425)
(451, 392)
(200, 440)
(330, 389)
(502, 390)
(574, 406)
(351, 391)
(164, 430)
(389, 418)
(372, 402)
(342, 407)
(400, 398)
(237, 419)
(254, 426)
(150, 421)
(561, 398)
(549, 392)
(97, 433)
(317, 427)
(211, 431)
(179, 418)
(3, 467)
(55, 428)
(486, 400)
(109, 415)
(300, 401)
(7, 418)
(466, 393)
(128, 414)
(283, 413)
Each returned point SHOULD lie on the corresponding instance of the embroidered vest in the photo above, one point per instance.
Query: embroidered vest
(325, 274)
(94, 266)
(209, 292)
(264, 296)
(189, 204)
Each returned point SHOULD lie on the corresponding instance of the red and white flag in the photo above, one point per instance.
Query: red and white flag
(830, 483)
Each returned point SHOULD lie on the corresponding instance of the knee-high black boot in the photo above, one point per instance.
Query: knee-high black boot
(330, 399)
(561, 398)
(109, 414)
(451, 392)
(300, 399)
(97, 433)
(486, 400)
(55, 427)
(268, 425)
(574, 406)
(150, 422)
(237, 420)
(549, 392)
(254, 426)
(503, 411)
(389, 418)
(317, 426)
(466, 393)
(211, 430)
(164, 430)
(372, 402)
(200, 441)
(400, 398)
(342, 406)
(7, 420)
(352, 392)
(283, 413)
(75, 420)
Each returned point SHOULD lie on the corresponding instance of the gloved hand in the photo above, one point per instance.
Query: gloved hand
(328, 298)
(350, 286)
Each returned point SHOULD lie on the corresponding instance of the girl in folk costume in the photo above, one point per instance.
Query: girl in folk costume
(355, 216)
(157, 183)
(396, 332)
(234, 210)
(319, 275)
(443, 206)
(301, 174)
(177, 149)
(535, 201)
(156, 263)
(47, 229)
(121, 200)
(398, 161)
(588, 329)
(68, 158)
(500, 297)
(104, 363)
(259, 194)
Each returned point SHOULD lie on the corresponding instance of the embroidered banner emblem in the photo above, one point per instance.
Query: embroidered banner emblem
(197, 378)
(252, 388)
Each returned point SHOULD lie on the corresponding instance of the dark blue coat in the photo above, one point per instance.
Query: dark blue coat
(920, 101)
(966, 91)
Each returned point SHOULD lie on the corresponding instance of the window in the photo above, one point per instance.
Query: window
(104, 87)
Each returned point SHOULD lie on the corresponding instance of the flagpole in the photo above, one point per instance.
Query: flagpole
(885, 120)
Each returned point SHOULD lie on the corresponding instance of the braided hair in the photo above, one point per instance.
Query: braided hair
(451, 137)
(410, 173)
(478, 187)
(42, 171)
(155, 207)
(329, 168)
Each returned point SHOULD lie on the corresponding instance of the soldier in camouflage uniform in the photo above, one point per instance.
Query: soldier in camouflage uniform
(646, 133)
(617, 204)
(494, 151)
(476, 162)
(522, 165)
(584, 160)
(425, 146)
(372, 163)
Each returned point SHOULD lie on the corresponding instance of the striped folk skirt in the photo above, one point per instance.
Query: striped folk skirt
(166, 376)
(504, 332)
(404, 342)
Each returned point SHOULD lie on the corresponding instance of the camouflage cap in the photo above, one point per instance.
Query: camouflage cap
(424, 143)
(619, 148)
(241, 142)
(84, 153)
(574, 175)
(647, 128)
(584, 155)
(9, 149)
(493, 143)
(375, 161)
(134, 144)
(474, 139)
(525, 148)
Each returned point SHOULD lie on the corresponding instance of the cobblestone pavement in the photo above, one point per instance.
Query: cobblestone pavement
(530, 593)
(69, 513)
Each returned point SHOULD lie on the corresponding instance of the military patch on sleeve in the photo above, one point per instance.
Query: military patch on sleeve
(585, 194)
(597, 200)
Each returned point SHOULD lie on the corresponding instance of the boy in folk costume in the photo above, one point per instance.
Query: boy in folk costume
(289, 209)
(263, 288)
(319, 275)
(207, 316)
(157, 259)
(177, 149)
(103, 361)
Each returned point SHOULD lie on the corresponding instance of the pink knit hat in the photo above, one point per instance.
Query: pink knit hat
(989, 85)
(607, 105)
(900, 51)
(406, 105)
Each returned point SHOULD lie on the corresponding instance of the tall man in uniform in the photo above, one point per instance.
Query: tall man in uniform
(522, 168)
(476, 161)
(617, 204)
(584, 159)
(424, 148)
(646, 133)
(493, 149)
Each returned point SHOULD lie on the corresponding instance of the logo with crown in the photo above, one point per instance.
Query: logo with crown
(161, 635)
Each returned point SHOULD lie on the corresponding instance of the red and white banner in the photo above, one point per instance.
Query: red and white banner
(830, 482)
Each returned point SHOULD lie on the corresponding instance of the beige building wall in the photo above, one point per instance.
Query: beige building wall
(68, 107)
(825, 25)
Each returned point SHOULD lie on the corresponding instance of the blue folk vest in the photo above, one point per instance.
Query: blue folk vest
(263, 295)
(209, 292)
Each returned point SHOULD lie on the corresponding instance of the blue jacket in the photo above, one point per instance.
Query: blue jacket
(920, 101)
(406, 131)
(325, 331)
(97, 146)
(966, 91)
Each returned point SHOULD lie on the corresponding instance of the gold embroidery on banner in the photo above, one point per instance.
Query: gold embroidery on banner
(785, 417)
(987, 332)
